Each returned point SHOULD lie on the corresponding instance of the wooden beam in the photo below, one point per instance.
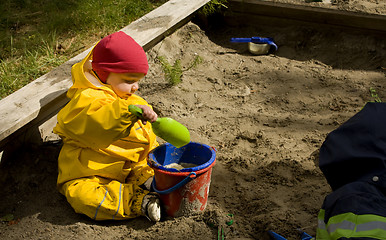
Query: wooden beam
(41, 99)
(309, 14)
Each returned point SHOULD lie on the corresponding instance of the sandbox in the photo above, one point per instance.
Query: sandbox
(266, 115)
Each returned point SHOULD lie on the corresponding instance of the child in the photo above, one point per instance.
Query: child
(103, 170)
(353, 160)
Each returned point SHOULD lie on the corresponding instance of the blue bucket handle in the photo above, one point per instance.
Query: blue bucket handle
(175, 187)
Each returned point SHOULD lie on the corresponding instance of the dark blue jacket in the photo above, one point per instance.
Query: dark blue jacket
(353, 160)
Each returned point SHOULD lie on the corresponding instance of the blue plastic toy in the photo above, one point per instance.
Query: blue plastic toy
(275, 236)
(305, 236)
(262, 40)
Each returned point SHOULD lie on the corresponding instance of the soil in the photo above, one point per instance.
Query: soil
(266, 116)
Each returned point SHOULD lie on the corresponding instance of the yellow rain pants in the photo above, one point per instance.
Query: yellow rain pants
(103, 160)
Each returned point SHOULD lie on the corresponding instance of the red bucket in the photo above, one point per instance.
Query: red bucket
(185, 191)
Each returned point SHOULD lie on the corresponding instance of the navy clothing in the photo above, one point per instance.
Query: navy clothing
(356, 148)
(364, 196)
(353, 160)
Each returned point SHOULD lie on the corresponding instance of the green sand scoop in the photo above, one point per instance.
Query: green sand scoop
(168, 129)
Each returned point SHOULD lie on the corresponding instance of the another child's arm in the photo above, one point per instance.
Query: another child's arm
(148, 114)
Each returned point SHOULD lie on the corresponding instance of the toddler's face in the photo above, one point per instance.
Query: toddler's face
(124, 84)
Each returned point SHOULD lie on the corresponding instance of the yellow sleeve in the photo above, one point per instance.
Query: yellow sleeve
(95, 119)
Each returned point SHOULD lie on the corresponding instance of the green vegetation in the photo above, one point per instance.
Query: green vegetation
(38, 35)
(213, 7)
(173, 73)
(374, 95)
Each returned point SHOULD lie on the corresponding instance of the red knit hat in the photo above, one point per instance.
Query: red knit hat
(118, 53)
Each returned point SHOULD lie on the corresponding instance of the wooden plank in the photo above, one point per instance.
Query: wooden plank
(42, 98)
(310, 14)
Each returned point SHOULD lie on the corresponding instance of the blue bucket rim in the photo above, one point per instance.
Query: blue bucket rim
(152, 163)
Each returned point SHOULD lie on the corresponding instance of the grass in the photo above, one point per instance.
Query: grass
(173, 73)
(214, 6)
(374, 95)
(38, 35)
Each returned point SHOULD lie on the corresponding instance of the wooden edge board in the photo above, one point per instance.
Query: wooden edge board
(310, 14)
(42, 98)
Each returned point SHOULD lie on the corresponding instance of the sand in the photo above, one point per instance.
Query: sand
(266, 116)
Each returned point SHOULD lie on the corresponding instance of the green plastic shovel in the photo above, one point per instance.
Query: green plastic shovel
(166, 128)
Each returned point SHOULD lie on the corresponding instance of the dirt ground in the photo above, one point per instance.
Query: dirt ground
(266, 115)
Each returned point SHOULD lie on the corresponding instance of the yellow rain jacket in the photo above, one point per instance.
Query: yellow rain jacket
(103, 159)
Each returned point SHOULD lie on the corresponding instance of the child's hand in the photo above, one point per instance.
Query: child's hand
(148, 114)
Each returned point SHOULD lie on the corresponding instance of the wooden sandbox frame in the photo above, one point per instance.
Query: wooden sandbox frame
(28, 115)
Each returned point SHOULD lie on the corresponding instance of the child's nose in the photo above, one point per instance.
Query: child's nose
(135, 87)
